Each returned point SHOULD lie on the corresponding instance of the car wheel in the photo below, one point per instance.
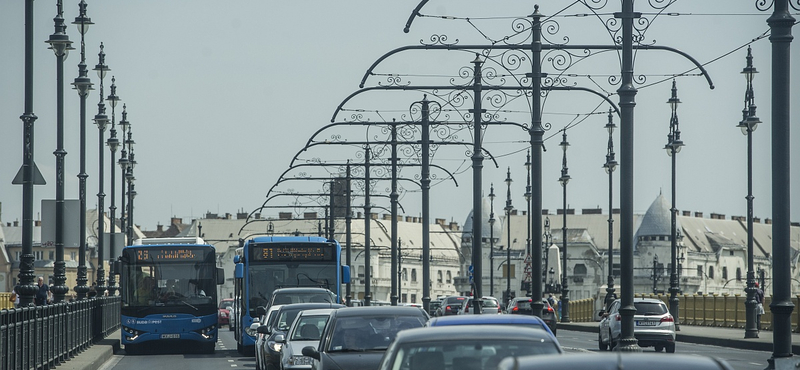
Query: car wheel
(670, 347)
(603, 346)
(659, 348)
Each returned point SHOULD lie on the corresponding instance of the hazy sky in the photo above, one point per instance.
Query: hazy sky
(221, 96)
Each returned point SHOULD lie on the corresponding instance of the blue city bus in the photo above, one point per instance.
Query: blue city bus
(266, 263)
(169, 294)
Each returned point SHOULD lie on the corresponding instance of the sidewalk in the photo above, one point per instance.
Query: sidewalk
(717, 336)
(95, 356)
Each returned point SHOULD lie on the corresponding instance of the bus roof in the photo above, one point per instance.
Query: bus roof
(177, 240)
(294, 239)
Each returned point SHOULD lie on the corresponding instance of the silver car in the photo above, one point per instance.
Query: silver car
(305, 331)
(653, 326)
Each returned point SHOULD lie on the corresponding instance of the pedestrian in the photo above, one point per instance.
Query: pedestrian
(93, 291)
(551, 300)
(43, 294)
(759, 305)
(15, 296)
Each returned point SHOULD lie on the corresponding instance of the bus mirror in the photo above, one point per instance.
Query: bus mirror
(345, 274)
(236, 259)
(220, 276)
(116, 266)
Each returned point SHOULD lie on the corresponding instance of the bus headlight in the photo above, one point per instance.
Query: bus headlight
(131, 333)
(207, 332)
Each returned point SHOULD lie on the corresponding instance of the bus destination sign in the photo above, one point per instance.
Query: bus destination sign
(168, 254)
(294, 252)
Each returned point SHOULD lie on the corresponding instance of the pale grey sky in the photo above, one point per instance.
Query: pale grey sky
(221, 95)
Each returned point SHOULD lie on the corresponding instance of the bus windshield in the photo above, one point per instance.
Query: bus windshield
(264, 278)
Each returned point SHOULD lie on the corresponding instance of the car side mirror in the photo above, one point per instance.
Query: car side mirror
(311, 352)
(601, 313)
(280, 338)
(263, 329)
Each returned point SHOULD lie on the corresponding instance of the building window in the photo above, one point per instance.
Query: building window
(700, 271)
(405, 278)
(738, 274)
(617, 269)
(72, 255)
(580, 269)
(360, 271)
(725, 272)
(413, 275)
(413, 298)
(404, 298)
(449, 277)
(439, 276)
(710, 272)
(39, 255)
(506, 272)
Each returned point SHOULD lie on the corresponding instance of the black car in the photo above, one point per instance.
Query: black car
(279, 325)
(451, 305)
(355, 338)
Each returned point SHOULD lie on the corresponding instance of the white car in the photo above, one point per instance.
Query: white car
(653, 325)
(261, 338)
(305, 331)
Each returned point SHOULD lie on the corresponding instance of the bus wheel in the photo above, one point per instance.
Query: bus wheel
(131, 349)
(209, 348)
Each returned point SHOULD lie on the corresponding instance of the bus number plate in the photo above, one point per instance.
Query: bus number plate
(170, 336)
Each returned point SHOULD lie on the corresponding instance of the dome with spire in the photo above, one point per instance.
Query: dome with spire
(485, 231)
(656, 223)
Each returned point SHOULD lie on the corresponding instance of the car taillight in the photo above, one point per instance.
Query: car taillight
(550, 309)
(515, 308)
(447, 308)
(667, 318)
(466, 309)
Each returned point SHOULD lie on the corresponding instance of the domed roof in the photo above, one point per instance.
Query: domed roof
(485, 231)
(657, 220)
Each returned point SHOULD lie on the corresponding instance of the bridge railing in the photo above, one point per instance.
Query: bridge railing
(44, 336)
(722, 310)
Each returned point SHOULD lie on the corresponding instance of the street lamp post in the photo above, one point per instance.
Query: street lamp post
(508, 209)
(491, 241)
(749, 124)
(528, 252)
(61, 45)
(610, 166)
(655, 274)
(546, 250)
(124, 162)
(83, 85)
(113, 144)
(130, 179)
(673, 147)
(101, 120)
(564, 180)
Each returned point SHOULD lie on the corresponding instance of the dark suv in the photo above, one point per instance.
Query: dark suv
(451, 305)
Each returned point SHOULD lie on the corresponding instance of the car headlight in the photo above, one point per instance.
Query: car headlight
(251, 332)
(300, 360)
(223, 314)
(275, 346)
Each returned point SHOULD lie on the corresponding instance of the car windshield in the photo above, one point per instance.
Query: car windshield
(650, 308)
(308, 328)
(370, 332)
(488, 302)
(225, 304)
(283, 321)
(466, 353)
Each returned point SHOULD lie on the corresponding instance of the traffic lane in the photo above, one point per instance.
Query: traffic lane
(739, 359)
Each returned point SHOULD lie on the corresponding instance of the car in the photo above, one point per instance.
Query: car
(465, 347)
(520, 306)
(549, 316)
(451, 305)
(233, 315)
(261, 337)
(613, 361)
(223, 311)
(268, 347)
(355, 338)
(301, 295)
(489, 305)
(529, 321)
(305, 331)
(434, 306)
(653, 325)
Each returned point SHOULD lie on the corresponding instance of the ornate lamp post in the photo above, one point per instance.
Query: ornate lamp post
(655, 274)
(547, 237)
(673, 147)
(564, 180)
(491, 242)
(101, 120)
(130, 179)
(508, 209)
(123, 166)
(113, 144)
(61, 45)
(83, 85)
(748, 124)
(610, 166)
(528, 248)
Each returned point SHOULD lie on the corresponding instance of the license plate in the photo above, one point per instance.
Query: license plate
(170, 336)
(647, 323)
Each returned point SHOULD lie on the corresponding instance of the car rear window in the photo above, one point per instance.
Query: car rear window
(452, 300)
(524, 304)
(489, 302)
(650, 308)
